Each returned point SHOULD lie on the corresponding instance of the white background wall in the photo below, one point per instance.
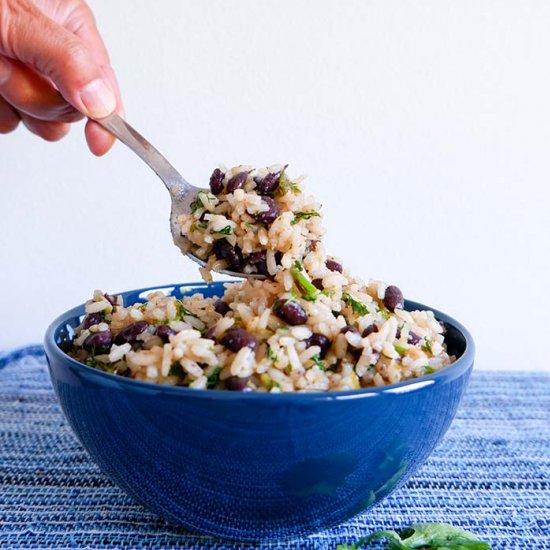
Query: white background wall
(424, 128)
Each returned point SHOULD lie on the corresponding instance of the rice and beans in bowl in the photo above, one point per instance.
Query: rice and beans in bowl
(309, 325)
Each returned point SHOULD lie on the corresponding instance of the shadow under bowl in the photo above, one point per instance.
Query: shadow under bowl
(255, 466)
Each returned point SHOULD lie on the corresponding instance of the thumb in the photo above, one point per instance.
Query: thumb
(33, 38)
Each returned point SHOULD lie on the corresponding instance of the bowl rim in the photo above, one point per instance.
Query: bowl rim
(463, 364)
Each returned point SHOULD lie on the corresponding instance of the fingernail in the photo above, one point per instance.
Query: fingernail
(5, 70)
(98, 99)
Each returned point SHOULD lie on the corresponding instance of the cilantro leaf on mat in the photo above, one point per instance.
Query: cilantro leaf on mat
(424, 536)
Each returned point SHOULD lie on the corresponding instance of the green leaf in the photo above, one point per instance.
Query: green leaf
(429, 369)
(357, 307)
(212, 380)
(198, 203)
(287, 185)
(304, 216)
(202, 225)
(227, 230)
(430, 536)
(176, 370)
(271, 355)
(195, 205)
(400, 349)
(182, 311)
(301, 278)
(91, 361)
(317, 360)
(427, 346)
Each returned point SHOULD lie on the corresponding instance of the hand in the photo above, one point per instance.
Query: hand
(54, 69)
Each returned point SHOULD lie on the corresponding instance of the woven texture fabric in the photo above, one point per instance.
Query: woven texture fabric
(489, 475)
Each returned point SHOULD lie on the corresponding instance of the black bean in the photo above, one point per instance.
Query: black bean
(231, 254)
(336, 367)
(393, 298)
(164, 332)
(237, 181)
(210, 333)
(320, 340)
(216, 181)
(318, 283)
(259, 261)
(269, 183)
(110, 298)
(269, 216)
(413, 338)
(290, 312)
(129, 334)
(398, 334)
(369, 330)
(91, 319)
(221, 307)
(333, 265)
(234, 383)
(99, 342)
(237, 338)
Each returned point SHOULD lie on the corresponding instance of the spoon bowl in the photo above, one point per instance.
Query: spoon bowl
(182, 193)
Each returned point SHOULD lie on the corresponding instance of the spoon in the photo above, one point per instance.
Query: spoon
(181, 191)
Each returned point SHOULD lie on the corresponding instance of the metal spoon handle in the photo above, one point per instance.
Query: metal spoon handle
(173, 180)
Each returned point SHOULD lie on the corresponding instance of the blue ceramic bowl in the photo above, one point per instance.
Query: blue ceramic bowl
(255, 466)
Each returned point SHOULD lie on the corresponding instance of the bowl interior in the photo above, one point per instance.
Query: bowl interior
(459, 341)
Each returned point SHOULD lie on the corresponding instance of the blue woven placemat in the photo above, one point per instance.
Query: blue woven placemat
(490, 475)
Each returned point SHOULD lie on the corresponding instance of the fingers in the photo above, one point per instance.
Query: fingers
(100, 140)
(32, 94)
(58, 54)
(48, 130)
(9, 119)
(82, 23)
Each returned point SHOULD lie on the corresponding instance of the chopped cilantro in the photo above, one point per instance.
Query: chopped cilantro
(182, 311)
(286, 185)
(357, 307)
(386, 314)
(92, 362)
(304, 216)
(196, 204)
(202, 225)
(319, 363)
(400, 349)
(427, 345)
(268, 382)
(309, 291)
(429, 369)
(429, 536)
(212, 380)
(271, 355)
(227, 230)
(176, 370)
